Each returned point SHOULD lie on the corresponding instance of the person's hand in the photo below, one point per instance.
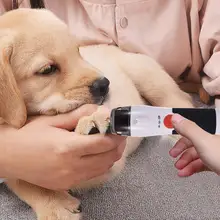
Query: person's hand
(46, 153)
(198, 149)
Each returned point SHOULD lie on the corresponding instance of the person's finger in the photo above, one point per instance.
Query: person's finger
(83, 145)
(187, 157)
(98, 164)
(96, 173)
(199, 137)
(121, 147)
(180, 146)
(102, 158)
(68, 120)
(195, 166)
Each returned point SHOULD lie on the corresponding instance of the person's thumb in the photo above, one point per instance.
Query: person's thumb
(191, 131)
(69, 120)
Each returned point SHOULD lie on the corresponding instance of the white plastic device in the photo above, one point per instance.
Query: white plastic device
(144, 121)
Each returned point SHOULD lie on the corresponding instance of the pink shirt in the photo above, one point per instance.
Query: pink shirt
(182, 35)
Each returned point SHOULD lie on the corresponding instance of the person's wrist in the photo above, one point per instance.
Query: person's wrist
(3, 155)
(8, 141)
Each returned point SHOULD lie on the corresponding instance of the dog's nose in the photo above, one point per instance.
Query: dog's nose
(100, 87)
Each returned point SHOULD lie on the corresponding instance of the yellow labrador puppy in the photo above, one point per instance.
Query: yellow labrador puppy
(43, 70)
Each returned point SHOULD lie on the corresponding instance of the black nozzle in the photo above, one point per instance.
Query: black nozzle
(120, 121)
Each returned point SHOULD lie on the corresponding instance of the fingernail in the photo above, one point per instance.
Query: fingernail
(80, 208)
(177, 118)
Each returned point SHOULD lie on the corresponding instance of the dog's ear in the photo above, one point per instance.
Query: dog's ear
(12, 107)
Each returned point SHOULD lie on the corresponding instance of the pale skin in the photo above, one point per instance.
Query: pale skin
(197, 150)
(66, 158)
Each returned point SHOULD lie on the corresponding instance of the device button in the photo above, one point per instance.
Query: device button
(167, 121)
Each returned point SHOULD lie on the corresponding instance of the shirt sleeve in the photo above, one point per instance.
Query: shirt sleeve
(209, 42)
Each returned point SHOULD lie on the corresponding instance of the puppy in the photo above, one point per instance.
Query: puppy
(45, 70)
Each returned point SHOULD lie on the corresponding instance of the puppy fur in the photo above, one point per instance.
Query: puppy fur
(30, 41)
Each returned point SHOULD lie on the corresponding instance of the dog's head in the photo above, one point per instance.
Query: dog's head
(41, 70)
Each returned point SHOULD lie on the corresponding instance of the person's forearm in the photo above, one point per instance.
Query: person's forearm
(3, 155)
(7, 144)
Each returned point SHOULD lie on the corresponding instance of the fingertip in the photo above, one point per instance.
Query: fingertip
(106, 141)
(176, 150)
(184, 173)
(173, 153)
(117, 138)
(121, 149)
(180, 164)
(180, 174)
(192, 168)
(176, 118)
(180, 146)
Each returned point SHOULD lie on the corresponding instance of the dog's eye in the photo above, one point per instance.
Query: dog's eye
(48, 70)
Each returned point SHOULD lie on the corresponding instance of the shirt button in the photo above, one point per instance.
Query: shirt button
(124, 22)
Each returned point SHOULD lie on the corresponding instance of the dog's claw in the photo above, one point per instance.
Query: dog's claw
(108, 131)
(80, 208)
(97, 123)
(108, 120)
(75, 211)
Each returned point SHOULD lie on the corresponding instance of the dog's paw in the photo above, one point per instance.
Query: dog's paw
(98, 122)
(60, 214)
(62, 207)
